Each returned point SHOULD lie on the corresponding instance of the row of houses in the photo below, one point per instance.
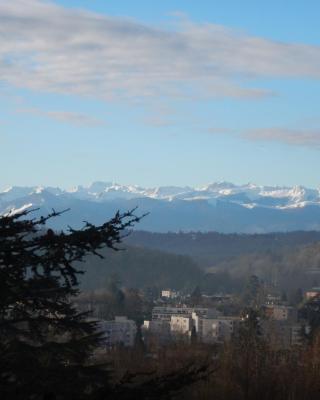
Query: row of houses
(207, 324)
(170, 323)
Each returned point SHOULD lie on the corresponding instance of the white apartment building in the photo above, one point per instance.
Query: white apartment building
(169, 294)
(208, 323)
(212, 330)
(159, 327)
(181, 325)
(119, 331)
(165, 313)
(208, 330)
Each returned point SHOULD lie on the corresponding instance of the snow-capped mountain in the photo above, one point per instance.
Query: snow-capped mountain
(218, 206)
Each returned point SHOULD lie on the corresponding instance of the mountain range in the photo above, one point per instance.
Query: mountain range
(222, 206)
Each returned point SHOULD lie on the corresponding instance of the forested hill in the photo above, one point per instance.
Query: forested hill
(140, 268)
(210, 248)
(287, 260)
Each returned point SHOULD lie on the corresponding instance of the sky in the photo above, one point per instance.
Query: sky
(175, 92)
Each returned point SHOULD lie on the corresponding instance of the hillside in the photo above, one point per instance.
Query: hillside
(286, 269)
(208, 249)
(284, 261)
(140, 268)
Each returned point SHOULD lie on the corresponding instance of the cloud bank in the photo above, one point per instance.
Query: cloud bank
(46, 47)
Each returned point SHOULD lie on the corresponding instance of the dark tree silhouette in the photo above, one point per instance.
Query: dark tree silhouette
(249, 349)
(310, 312)
(45, 343)
(252, 291)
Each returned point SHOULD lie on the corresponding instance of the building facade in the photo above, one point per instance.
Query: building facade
(120, 331)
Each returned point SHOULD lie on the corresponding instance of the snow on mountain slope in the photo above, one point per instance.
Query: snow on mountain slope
(248, 195)
(221, 206)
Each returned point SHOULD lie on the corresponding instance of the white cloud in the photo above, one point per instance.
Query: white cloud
(297, 137)
(70, 117)
(47, 47)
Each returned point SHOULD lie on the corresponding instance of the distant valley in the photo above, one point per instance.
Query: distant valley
(214, 262)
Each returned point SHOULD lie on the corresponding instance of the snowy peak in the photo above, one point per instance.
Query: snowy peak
(15, 192)
(221, 206)
(248, 195)
(218, 186)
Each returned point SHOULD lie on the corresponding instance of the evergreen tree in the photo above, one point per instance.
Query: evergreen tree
(252, 293)
(310, 312)
(249, 350)
(45, 343)
(117, 296)
(250, 326)
(194, 336)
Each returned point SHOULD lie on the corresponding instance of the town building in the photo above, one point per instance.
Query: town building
(206, 323)
(210, 330)
(312, 293)
(158, 330)
(169, 294)
(181, 325)
(165, 312)
(282, 333)
(120, 331)
(158, 327)
(272, 299)
(281, 313)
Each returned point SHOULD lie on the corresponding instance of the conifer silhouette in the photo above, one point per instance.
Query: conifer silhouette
(45, 343)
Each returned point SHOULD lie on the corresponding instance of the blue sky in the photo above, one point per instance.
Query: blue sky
(159, 93)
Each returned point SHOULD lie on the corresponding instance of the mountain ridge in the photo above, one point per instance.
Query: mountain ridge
(221, 206)
(99, 191)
